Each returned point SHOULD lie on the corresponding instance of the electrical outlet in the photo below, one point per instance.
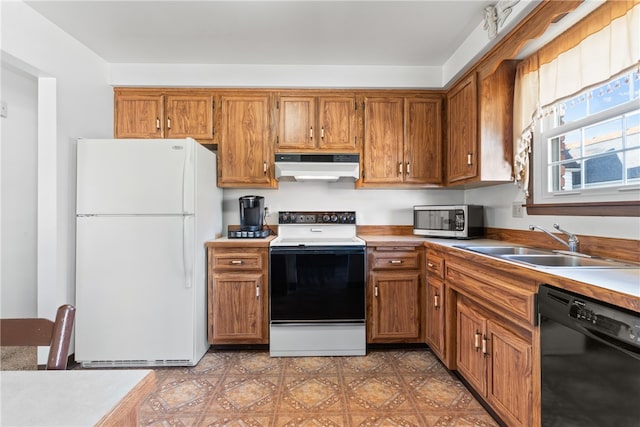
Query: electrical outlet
(4, 109)
(267, 210)
(517, 210)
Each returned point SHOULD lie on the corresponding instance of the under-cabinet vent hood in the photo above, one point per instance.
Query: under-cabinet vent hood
(317, 167)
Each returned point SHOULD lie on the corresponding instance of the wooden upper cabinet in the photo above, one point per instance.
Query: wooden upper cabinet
(383, 141)
(462, 153)
(139, 116)
(336, 121)
(423, 141)
(402, 141)
(189, 116)
(163, 114)
(317, 123)
(245, 156)
(297, 119)
(480, 127)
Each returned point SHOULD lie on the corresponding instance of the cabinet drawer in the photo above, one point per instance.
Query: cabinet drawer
(395, 260)
(435, 265)
(237, 261)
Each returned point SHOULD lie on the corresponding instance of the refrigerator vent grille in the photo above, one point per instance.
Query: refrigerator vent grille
(136, 363)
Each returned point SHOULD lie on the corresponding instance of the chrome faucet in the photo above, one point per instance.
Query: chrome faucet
(573, 242)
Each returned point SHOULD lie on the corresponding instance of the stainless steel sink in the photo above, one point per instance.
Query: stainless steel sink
(504, 250)
(562, 260)
(544, 258)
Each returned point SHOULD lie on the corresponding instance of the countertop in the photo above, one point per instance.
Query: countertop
(623, 280)
(71, 398)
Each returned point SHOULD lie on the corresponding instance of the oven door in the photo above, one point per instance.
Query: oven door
(317, 284)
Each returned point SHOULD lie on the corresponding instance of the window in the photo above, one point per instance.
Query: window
(588, 145)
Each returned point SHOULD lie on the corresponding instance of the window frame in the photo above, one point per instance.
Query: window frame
(613, 200)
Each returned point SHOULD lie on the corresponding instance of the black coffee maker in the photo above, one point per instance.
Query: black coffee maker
(251, 213)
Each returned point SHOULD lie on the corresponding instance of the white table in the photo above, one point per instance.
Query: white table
(73, 398)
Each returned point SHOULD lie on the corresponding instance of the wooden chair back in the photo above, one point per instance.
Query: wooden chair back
(42, 332)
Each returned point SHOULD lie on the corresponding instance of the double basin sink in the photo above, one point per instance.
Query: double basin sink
(544, 259)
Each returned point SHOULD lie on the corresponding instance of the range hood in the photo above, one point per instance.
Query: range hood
(317, 167)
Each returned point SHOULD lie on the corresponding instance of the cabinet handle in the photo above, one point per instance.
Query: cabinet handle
(477, 337)
(400, 168)
(257, 291)
(408, 168)
(168, 122)
(395, 261)
(436, 302)
(430, 265)
(264, 167)
(157, 122)
(311, 132)
(484, 344)
(375, 291)
(469, 163)
(236, 262)
(322, 132)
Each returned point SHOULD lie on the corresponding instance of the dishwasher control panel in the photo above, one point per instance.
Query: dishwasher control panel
(601, 319)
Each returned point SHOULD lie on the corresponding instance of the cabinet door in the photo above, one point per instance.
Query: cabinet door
(434, 321)
(244, 151)
(189, 116)
(469, 336)
(509, 387)
(383, 145)
(395, 306)
(462, 159)
(296, 127)
(423, 141)
(336, 117)
(139, 116)
(237, 307)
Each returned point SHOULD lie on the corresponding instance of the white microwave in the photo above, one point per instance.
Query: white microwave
(453, 221)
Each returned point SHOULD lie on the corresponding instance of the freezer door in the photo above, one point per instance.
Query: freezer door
(135, 176)
(134, 303)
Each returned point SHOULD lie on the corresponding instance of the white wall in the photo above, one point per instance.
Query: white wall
(74, 99)
(498, 200)
(18, 283)
(372, 206)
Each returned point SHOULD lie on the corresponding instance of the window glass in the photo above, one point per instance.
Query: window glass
(592, 141)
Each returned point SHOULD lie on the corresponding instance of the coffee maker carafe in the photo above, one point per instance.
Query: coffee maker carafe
(251, 213)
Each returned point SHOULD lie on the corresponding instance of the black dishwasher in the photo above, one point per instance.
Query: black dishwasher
(590, 361)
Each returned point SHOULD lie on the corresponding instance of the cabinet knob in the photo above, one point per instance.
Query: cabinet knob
(157, 122)
(469, 155)
(395, 261)
(322, 132)
(375, 291)
(476, 342)
(400, 168)
(484, 345)
(257, 291)
(311, 132)
(264, 167)
(408, 168)
(436, 302)
(168, 122)
(431, 265)
(236, 262)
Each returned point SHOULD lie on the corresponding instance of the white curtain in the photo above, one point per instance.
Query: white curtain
(594, 59)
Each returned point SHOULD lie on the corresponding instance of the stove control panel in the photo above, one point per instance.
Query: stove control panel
(342, 217)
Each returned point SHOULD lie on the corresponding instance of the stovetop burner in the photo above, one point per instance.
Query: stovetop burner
(325, 228)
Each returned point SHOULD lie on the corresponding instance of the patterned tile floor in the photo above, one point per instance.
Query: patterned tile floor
(249, 388)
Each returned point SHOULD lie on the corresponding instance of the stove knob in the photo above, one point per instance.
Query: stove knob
(344, 219)
(352, 219)
(326, 218)
(334, 218)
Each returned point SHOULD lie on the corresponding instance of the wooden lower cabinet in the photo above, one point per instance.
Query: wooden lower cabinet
(496, 361)
(435, 308)
(394, 295)
(238, 295)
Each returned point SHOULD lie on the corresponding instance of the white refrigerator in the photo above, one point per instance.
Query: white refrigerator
(144, 211)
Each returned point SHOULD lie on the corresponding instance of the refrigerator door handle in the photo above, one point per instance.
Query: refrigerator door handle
(187, 256)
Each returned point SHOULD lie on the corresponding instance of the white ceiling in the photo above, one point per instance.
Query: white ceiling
(301, 32)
